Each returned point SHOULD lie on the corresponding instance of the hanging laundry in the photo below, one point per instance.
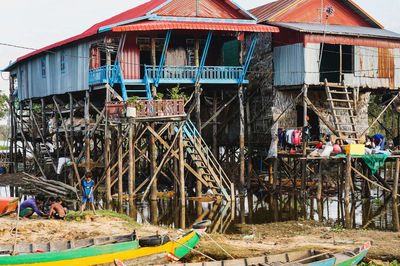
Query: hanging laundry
(289, 136)
(296, 137)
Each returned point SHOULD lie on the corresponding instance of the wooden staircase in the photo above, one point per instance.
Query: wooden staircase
(343, 109)
(207, 165)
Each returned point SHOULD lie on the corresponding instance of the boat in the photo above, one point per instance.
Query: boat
(7, 205)
(307, 257)
(103, 251)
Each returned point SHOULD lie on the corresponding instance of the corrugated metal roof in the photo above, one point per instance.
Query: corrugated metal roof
(177, 25)
(272, 10)
(339, 29)
(207, 9)
(135, 12)
(267, 11)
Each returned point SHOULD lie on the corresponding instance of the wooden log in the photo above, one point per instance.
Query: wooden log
(241, 138)
(87, 122)
(107, 156)
(120, 170)
(153, 164)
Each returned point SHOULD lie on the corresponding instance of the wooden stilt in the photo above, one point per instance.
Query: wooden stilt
(241, 138)
(305, 140)
(214, 127)
(347, 184)
(181, 171)
(132, 166)
(396, 179)
(87, 128)
(120, 170)
(21, 120)
(107, 153)
(153, 164)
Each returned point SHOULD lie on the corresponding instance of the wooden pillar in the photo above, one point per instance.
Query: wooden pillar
(120, 169)
(197, 93)
(347, 191)
(214, 127)
(132, 165)
(181, 170)
(21, 108)
(241, 137)
(305, 140)
(395, 215)
(196, 52)
(107, 156)
(32, 125)
(249, 142)
(154, 63)
(57, 145)
(87, 127)
(320, 180)
(153, 164)
(275, 173)
(396, 179)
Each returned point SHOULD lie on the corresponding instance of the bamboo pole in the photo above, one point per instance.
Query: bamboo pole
(132, 169)
(396, 179)
(181, 169)
(120, 169)
(153, 165)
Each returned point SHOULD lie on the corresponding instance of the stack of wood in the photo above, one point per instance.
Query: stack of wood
(51, 187)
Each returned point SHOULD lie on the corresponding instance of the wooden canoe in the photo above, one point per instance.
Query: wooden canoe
(306, 257)
(99, 251)
(7, 205)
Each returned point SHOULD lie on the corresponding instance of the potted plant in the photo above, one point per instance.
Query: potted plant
(131, 106)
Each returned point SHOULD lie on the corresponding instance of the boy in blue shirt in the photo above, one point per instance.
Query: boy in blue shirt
(87, 191)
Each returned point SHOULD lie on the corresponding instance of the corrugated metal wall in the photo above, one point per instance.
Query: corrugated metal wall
(74, 78)
(311, 58)
(289, 65)
(130, 61)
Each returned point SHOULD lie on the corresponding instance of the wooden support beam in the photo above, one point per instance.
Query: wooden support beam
(161, 164)
(120, 188)
(381, 113)
(153, 164)
(241, 138)
(174, 153)
(71, 150)
(321, 116)
(396, 179)
(216, 113)
(132, 168)
(87, 124)
(181, 169)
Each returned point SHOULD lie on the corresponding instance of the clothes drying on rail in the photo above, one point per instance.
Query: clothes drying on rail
(296, 137)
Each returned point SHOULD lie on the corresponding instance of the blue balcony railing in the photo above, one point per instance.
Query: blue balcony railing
(187, 74)
(100, 75)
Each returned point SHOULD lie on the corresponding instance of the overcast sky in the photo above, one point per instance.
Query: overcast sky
(37, 23)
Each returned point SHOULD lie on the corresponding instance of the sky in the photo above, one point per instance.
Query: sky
(38, 23)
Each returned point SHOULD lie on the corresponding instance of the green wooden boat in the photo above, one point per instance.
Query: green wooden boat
(306, 257)
(103, 251)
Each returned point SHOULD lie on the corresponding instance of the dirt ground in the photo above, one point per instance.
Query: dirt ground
(250, 240)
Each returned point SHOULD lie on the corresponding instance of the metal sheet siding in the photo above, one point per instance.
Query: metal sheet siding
(311, 58)
(289, 65)
(396, 53)
(130, 61)
(75, 77)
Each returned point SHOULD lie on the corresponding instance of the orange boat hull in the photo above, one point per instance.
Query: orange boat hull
(8, 205)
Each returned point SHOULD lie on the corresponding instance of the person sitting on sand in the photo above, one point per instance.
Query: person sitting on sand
(62, 203)
(29, 206)
(87, 191)
(56, 210)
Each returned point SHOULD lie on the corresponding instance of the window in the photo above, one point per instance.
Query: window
(62, 66)
(43, 68)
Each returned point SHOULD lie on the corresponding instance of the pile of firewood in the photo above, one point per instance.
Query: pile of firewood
(51, 187)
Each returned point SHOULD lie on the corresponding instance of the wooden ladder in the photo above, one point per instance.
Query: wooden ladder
(343, 111)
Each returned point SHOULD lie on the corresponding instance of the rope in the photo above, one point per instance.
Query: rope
(194, 250)
(219, 245)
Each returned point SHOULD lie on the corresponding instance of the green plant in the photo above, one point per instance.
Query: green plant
(175, 93)
(338, 228)
(159, 96)
(132, 101)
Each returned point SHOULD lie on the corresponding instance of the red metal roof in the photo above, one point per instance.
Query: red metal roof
(207, 9)
(133, 13)
(178, 25)
(307, 11)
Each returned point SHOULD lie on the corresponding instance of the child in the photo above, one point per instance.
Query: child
(60, 201)
(56, 210)
(87, 191)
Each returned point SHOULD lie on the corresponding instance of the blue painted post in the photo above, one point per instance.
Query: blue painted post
(249, 56)
(203, 57)
(164, 52)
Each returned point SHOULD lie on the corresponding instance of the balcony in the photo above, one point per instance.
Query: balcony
(101, 75)
(187, 74)
(173, 75)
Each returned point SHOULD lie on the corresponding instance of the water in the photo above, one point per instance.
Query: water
(377, 212)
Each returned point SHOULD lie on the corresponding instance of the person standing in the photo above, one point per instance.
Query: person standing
(87, 191)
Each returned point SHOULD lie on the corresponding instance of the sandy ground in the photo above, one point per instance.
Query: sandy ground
(250, 240)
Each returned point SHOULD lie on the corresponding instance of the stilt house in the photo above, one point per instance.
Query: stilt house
(65, 98)
(330, 51)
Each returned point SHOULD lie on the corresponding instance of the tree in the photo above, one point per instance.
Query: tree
(3, 105)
